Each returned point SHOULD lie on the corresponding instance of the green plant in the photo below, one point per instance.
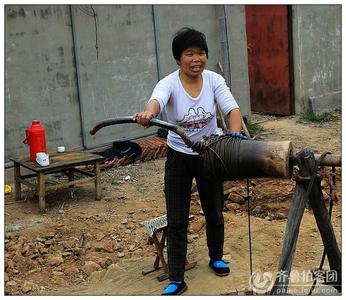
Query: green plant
(254, 128)
(317, 118)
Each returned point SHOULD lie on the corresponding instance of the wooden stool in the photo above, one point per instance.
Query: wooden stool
(155, 227)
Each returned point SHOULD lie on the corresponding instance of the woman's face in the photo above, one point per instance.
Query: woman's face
(192, 61)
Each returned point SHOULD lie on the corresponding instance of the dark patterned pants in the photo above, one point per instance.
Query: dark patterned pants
(180, 169)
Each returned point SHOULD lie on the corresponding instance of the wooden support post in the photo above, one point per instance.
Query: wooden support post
(327, 233)
(70, 175)
(306, 163)
(159, 245)
(295, 215)
(41, 191)
(97, 181)
(17, 184)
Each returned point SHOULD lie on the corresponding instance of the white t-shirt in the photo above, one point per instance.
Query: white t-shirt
(197, 116)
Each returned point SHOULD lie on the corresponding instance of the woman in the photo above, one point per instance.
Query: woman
(189, 96)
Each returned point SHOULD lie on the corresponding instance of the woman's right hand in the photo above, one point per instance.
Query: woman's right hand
(143, 118)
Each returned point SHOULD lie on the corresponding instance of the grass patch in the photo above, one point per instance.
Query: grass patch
(254, 128)
(317, 118)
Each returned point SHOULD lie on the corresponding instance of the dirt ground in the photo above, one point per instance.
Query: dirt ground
(85, 247)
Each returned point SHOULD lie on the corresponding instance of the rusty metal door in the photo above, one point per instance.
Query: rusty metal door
(270, 77)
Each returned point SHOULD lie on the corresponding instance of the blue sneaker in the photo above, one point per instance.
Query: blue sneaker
(219, 267)
(175, 288)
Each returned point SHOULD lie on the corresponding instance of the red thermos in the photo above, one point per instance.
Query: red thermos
(35, 138)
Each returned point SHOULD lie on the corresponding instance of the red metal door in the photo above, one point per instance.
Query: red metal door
(269, 58)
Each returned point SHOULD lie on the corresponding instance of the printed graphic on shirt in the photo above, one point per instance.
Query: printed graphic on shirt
(195, 119)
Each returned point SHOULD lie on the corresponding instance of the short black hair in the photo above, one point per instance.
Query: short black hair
(188, 37)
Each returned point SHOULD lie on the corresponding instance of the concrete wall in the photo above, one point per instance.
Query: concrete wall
(119, 81)
(40, 79)
(54, 74)
(238, 57)
(317, 57)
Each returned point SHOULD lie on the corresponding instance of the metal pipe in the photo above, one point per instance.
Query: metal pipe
(196, 146)
(157, 51)
(273, 155)
(153, 9)
(75, 54)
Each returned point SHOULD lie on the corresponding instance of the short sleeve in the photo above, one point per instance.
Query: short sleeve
(223, 95)
(161, 93)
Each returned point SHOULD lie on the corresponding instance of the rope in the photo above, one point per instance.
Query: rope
(226, 149)
(249, 229)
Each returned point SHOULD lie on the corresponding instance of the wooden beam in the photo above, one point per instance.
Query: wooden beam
(325, 227)
(68, 184)
(295, 215)
(17, 187)
(25, 182)
(329, 160)
(306, 161)
(90, 174)
(97, 181)
(41, 191)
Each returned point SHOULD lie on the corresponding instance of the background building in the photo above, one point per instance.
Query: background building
(70, 66)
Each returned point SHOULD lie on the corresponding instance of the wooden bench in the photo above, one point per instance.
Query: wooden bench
(59, 162)
(157, 230)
